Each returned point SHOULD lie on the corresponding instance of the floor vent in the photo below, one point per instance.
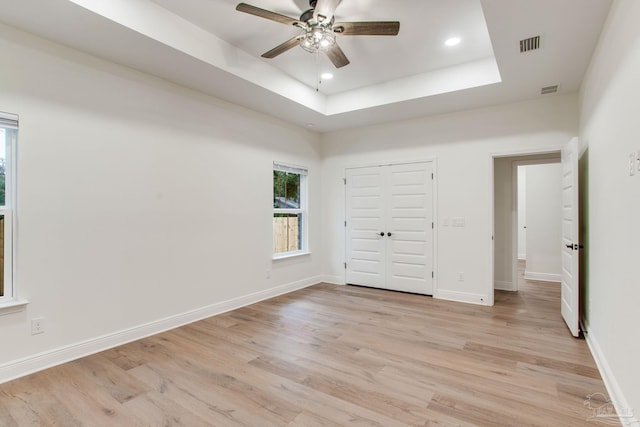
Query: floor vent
(549, 89)
(532, 43)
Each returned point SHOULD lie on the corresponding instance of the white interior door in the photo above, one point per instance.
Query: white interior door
(570, 245)
(366, 255)
(389, 227)
(410, 225)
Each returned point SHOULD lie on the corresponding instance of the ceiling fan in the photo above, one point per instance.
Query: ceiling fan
(319, 29)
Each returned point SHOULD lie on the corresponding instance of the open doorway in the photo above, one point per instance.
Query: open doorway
(527, 220)
(504, 243)
(539, 225)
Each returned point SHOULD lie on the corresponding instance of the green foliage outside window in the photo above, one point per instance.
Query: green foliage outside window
(286, 190)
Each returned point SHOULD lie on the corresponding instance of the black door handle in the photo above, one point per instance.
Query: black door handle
(389, 234)
(382, 233)
(575, 246)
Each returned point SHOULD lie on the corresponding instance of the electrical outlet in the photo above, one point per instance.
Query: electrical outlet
(37, 325)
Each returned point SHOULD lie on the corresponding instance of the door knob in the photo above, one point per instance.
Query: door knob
(389, 234)
(570, 246)
(382, 233)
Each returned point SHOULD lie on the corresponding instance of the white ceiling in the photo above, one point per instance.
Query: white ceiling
(417, 49)
(208, 46)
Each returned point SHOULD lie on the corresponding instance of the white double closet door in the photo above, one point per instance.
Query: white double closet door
(389, 227)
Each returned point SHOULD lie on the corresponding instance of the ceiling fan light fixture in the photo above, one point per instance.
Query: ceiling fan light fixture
(317, 38)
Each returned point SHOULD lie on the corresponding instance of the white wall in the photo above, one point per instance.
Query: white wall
(544, 223)
(138, 200)
(609, 132)
(522, 213)
(462, 144)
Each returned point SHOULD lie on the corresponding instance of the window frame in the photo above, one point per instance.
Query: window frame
(302, 210)
(9, 300)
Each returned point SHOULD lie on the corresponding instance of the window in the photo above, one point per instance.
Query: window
(289, 210)
(8, 135)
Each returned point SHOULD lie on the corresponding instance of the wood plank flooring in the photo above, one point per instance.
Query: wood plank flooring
(331, 355)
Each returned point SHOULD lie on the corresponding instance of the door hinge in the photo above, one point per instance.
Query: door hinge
(345, 265)
(432, 226)
(345, 223)
(431, 176)
(432, 274)
(345, 181)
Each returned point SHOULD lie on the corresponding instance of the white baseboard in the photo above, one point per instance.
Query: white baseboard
(503, 286)
(28, 365)
(334, 280)
(542, 277)
(623, 409)
(461, 297)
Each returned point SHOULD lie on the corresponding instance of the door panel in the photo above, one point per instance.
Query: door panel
(409, 218)
(570, 257)
(366, 260)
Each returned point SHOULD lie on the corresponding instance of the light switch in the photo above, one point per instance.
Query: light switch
(457, 222)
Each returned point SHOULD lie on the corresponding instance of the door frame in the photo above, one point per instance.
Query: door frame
(553, 150)
(434, 213)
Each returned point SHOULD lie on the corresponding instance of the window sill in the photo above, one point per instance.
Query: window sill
(12, 306)
(290, 255)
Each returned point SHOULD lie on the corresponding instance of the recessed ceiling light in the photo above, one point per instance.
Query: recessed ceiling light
(326, 76)
(453, 41)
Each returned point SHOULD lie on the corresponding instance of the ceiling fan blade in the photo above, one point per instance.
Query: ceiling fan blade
(325, 9)
(267, 14)
(282, 48)
(337, 56)
(375, 28)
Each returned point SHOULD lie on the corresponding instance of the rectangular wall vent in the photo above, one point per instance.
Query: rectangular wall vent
(532, 43)
(549, 89)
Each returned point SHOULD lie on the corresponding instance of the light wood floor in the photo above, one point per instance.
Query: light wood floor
(331, 355)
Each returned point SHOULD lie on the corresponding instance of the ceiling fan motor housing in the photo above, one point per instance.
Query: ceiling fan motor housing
(306, 15)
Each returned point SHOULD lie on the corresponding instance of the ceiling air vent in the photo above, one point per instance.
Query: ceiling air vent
(549, 89)
(532, 43)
